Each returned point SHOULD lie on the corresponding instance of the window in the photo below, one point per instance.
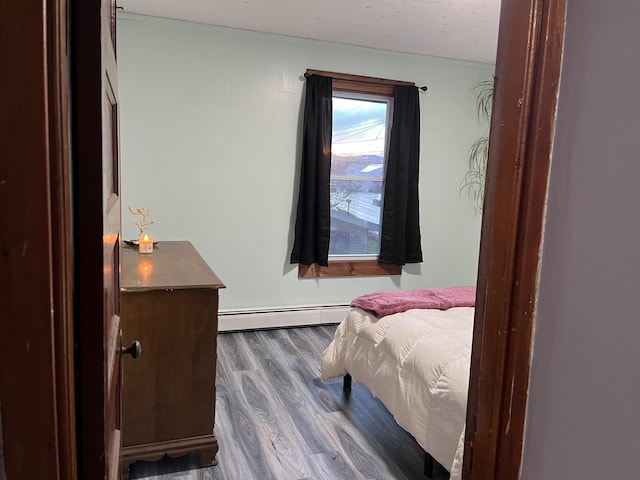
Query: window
(348, 221)
(358, 152)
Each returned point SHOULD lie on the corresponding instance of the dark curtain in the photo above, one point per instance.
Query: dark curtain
(400, 236)
(313, 222)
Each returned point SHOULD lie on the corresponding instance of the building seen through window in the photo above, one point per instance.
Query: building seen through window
(358, 150)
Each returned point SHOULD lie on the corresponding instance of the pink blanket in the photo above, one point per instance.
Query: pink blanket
(395, 301)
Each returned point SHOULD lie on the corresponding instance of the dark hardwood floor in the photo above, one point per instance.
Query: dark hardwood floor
(276, 420)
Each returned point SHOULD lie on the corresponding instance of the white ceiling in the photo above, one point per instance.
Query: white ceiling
(461, 29)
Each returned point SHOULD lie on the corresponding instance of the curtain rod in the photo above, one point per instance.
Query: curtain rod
(424, 88)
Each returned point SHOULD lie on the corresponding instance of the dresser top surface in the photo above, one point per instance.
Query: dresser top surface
(172, 265)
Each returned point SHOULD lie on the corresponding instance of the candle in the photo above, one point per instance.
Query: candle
(145, 244)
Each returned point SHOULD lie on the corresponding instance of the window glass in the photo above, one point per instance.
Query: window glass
(358, 149)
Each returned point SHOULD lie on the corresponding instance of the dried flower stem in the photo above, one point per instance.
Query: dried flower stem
(143, 224)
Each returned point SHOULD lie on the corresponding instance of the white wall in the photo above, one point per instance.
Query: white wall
(583, 415)
(210, 142)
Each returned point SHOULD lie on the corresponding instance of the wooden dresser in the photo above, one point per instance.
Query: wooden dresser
(169, 302)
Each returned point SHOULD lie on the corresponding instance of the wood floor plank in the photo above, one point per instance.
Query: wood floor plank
(332, 466)
(299, 406)
(252, 446)
(380, 428)
(358, 451)
(232, 459)
(274, 425)
(230, 349)
(326, 398)
(275, 418)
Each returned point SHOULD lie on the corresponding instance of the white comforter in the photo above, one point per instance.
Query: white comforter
(417, 364)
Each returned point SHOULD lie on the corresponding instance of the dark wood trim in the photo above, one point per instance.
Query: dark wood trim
(205, 445)
(349, 268)
(360, 84)
(357, 78)
(527, 76)
(36, 362)
(62, 233)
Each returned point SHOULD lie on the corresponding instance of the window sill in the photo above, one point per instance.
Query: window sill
(349, 268)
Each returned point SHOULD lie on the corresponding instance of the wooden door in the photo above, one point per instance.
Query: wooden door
(97, 239)
(528, 67)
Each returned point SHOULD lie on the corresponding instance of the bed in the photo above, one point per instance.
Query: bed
(412, 350)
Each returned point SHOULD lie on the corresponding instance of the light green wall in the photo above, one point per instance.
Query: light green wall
(210, 121)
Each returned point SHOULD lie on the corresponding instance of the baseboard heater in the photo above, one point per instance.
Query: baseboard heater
(280, 317)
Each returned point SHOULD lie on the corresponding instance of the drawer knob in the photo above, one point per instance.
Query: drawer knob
(135, 349)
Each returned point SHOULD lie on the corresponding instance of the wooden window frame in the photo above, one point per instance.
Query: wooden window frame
(349, 268)
(369, 266)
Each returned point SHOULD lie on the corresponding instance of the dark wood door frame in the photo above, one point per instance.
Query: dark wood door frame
(530, 44)
(36, 344)
(36, 366)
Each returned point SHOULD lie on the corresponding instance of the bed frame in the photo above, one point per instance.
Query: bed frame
(432, 468)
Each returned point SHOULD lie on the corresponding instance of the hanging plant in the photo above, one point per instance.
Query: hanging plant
(473, 180)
